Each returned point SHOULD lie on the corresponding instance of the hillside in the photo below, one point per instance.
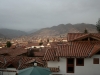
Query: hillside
(32, 31)
(63, 29)
(2, 36)
(9, 33)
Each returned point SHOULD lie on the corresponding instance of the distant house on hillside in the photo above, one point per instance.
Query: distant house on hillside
(35, 45)
(79, 56)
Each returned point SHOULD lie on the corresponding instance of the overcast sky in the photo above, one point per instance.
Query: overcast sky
(35, 14)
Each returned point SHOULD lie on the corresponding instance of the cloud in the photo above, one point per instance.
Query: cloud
(31, 14)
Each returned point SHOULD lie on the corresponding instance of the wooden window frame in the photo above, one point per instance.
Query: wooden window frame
(70, 65)
(70, 71)
(77, 62)
(96, 61)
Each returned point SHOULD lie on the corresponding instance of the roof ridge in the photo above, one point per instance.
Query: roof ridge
(95, 46)
(45, 53)
(81, 36)
(91, 51)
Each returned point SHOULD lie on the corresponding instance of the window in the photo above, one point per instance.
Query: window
(70, 61)
(70, 65)
(70, 69)
(80, 62)
(96, 61)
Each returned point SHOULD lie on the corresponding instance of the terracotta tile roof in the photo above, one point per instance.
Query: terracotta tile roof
(23, 62)
(4, 50)
(77, 36)
(54, 44)
(54, 69)
(5, 61)
(32, 44)
(28, 62)
(37, 59)
(39, 54)
(50, 54)
(17, 51)
(25, 66)
(2, 62)
(13, 52)
(96, 35)
(2, 59)
(73, 49)
(95, 49)
(18, 62)
(8, 58)
(71, 36)
(76, 49)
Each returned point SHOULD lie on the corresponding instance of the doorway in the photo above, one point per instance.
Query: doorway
(70, 65)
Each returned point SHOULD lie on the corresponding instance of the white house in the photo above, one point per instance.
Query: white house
(79, 56)
(34, 45)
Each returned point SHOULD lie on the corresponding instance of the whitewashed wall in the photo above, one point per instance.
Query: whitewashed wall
(10, 73)
(61, 64)
(88, 69)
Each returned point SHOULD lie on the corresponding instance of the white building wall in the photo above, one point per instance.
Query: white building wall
(10, 73)
(88, 69)
(61, 64)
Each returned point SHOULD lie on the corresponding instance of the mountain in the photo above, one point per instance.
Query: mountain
(63, 29)
(1, 35)
(10, 33)
(32, 31)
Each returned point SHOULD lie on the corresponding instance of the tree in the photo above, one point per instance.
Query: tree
(98, 25)
(85, 31)
(47, 40)
(8, 44)
(41, 43)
